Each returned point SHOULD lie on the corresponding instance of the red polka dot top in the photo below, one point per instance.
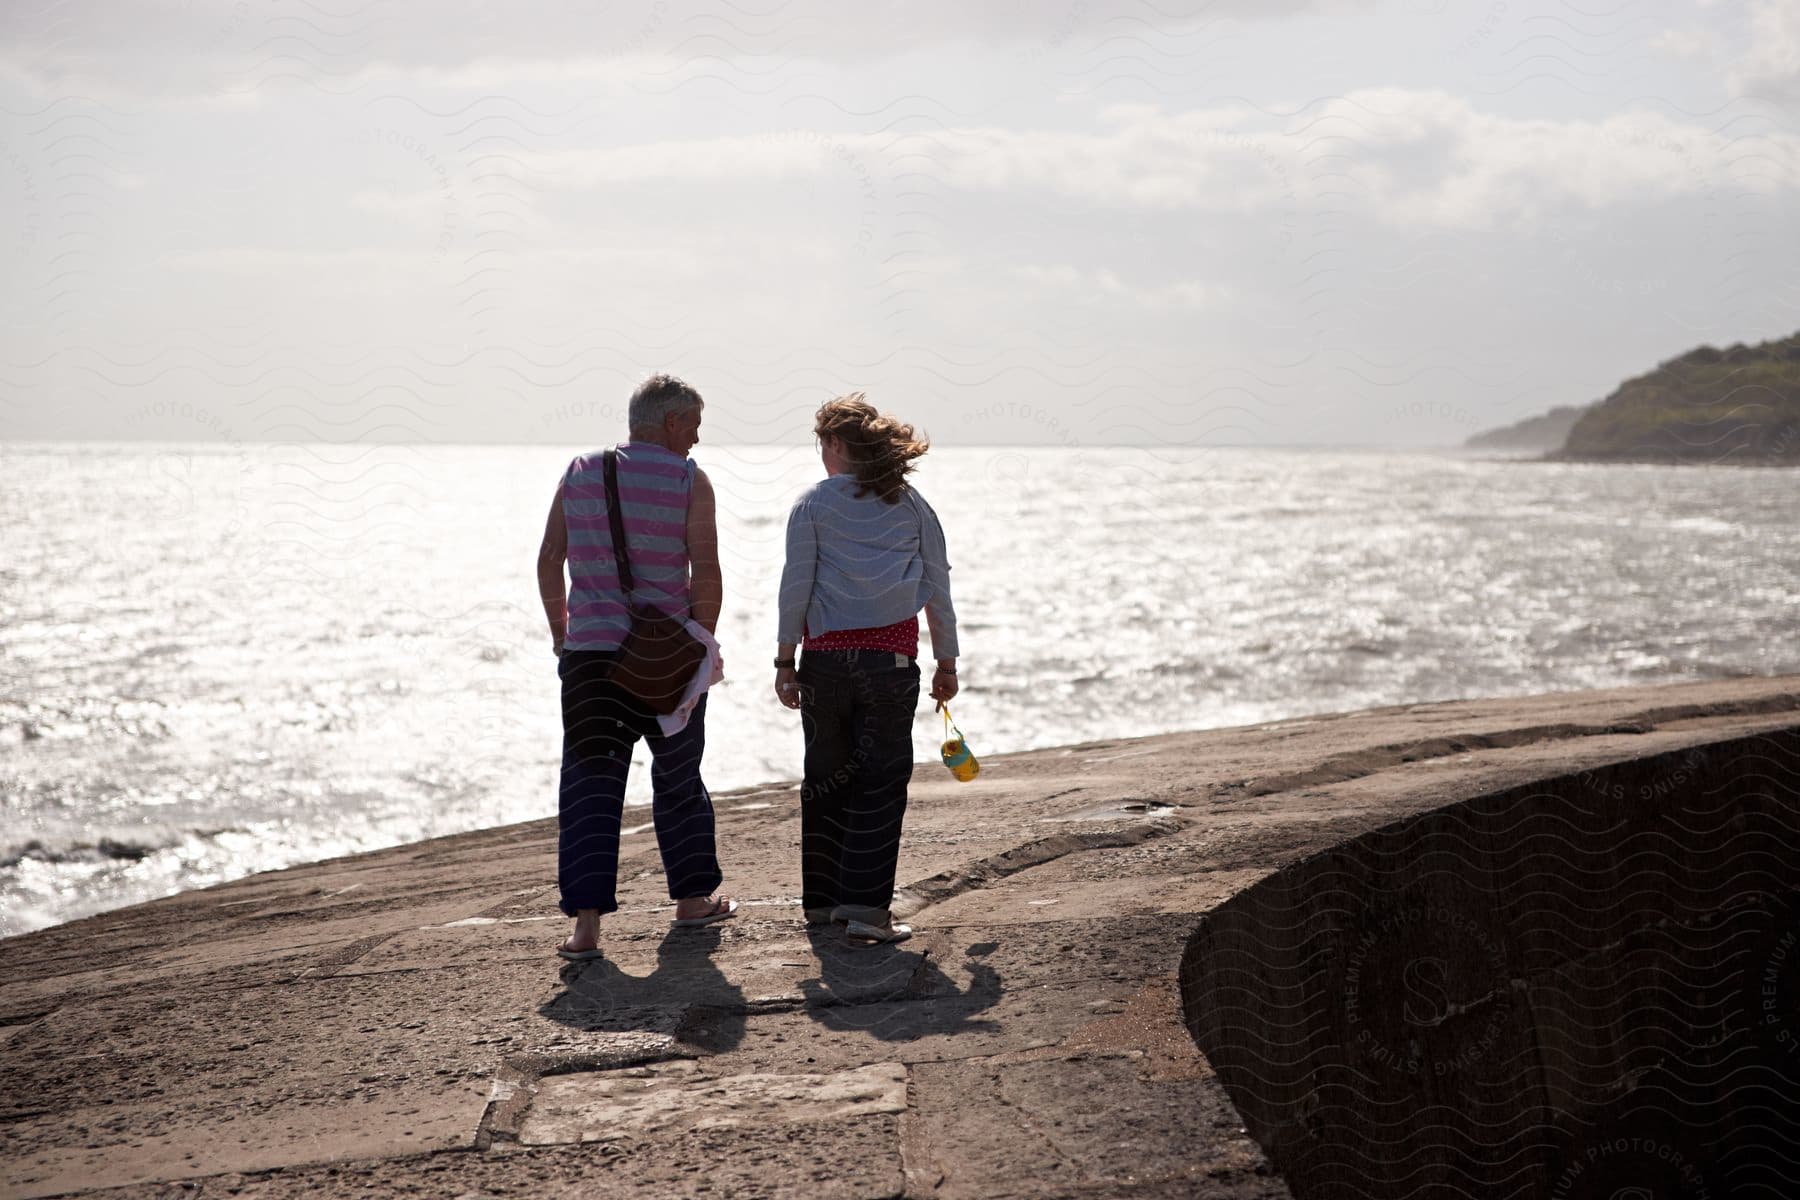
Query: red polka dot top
(902, 637)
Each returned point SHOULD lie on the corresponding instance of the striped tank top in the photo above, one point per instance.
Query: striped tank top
(654, 486)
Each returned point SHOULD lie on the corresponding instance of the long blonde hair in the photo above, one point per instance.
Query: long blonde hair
(880, 449)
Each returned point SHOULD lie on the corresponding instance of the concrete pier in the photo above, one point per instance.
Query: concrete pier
(1079, 1015)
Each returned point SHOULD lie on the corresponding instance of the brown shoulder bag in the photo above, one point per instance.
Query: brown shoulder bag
(659, 656)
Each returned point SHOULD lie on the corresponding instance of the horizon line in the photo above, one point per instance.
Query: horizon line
(726, 445)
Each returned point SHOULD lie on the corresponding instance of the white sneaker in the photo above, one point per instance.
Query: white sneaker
(864, 933)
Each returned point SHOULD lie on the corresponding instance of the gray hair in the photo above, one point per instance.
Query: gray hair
(657, 397)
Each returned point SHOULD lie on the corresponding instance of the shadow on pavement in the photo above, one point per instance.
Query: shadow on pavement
(687, 987)
(898, 992)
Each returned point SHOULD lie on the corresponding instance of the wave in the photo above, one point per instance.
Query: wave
(103, 850)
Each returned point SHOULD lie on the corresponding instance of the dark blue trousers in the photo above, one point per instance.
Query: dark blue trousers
(856, 709)
(600, 727)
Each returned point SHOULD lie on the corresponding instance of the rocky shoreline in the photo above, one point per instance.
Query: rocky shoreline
(395, 1023)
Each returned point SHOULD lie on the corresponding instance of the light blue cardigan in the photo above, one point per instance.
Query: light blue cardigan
(861, 563)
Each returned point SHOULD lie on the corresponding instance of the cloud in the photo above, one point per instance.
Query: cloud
(1073, 283)
(1146, 160)
(1509, 171)
(200, 48)
(1407, 157)
(699, 257)
(261, 261)
(758, 156)
(1703, 45)
(1770, 70)
(424, 211)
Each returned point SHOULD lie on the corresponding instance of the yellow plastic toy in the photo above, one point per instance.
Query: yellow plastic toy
(957, 756)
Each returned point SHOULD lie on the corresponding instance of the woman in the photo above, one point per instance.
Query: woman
(864, 554)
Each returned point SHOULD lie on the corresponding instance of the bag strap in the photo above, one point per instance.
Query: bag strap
(617, 519)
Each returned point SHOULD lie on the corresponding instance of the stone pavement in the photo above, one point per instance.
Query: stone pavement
(396, 1024)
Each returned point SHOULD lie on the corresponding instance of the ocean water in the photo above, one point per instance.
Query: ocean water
(216, 660)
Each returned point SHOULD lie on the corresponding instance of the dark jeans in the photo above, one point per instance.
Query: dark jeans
(856, 708)
(600, 726)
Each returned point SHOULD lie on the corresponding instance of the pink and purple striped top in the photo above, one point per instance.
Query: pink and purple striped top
(654, 487)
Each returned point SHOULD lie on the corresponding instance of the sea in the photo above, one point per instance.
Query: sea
(228, 658)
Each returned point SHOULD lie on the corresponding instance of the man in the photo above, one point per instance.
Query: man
(672, 541)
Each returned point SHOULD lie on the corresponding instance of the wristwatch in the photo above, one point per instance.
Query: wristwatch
(780, 663)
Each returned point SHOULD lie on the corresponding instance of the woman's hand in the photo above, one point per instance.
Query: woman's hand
(787, 686)
(943, 686)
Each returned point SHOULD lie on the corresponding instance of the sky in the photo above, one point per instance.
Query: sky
(1068, 222)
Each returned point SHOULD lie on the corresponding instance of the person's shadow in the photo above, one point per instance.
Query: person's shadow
(686, 996)
(897, 992)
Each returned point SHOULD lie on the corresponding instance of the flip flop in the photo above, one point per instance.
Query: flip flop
(580, 955)
(721, 909)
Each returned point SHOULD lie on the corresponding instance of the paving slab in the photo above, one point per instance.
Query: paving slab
(610, 1106)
